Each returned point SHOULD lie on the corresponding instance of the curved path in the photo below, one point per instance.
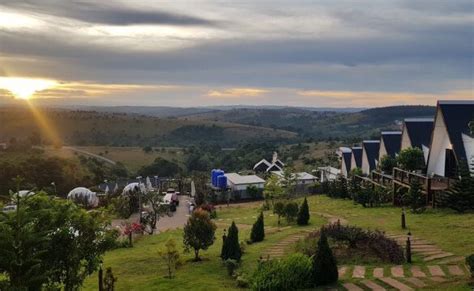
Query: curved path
(109, 161)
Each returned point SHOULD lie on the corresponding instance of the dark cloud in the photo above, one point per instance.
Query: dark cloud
(107, 14)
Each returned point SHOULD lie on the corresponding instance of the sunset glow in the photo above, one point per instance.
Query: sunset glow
(24, 88)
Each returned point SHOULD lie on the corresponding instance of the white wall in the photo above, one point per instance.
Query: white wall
(382, 150)
(469, 147)
(439, 144)
(343, 167)
(242, 187)
(406, 142)
(365, 163)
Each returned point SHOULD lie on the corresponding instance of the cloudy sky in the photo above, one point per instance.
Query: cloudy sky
(195, 53)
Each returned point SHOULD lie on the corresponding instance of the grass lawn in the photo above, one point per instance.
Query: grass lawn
(140, 268)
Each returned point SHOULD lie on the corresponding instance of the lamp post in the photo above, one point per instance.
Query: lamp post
(404, 225)
(54, 186)
(140, 197)
(408, 248)
(101, 277)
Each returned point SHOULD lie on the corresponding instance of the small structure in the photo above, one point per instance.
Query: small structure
(416, 132)
(390, 143)
(84, 196)
(370, 155)
(452, 139)
(134, 187)
(356, 158)
(264, 166)
(345, 154)
(303, 180)
(238, 184)
(328, 173)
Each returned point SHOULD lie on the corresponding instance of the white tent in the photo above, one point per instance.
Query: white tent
(116, 188)
(149, 186)
(107, 189)
(81, 194)
(132, 187)
(193, 189)
(25, 193)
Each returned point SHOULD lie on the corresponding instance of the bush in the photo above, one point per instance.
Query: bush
(387, 163)
(291, 211)
(470, 263)
(231, 265)
(385, 248)
(258, 229)
(460, 196)
(324, 263)
(279, 209)
(290, 273)
(303, 214)
(411, 159)
(231, 247)
(198, 233)
(414, 198)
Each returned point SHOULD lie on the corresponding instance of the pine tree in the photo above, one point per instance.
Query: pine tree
(414, 198)
(324, 263)
(258, 229)
(460, 196)
(232, 246)
(303, 214)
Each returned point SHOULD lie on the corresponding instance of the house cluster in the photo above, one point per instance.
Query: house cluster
(446, 140)
(238, 184)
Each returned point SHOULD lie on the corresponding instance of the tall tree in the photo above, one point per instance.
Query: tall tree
(272, 189)
(411, 159)
(324, 263)
(199, 232)
(258, 229)
(460, 196)
(414, 198)
(303, 213)
(232, 249)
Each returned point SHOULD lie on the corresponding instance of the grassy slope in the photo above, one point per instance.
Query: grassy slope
(140, 268)
(96, 128)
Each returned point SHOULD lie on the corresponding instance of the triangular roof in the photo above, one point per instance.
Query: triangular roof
(274, 167)
(262, 161)
(457, 115)
(372, 148)
(347, 156)
(392, 141)
(419, 131)
(357, 153)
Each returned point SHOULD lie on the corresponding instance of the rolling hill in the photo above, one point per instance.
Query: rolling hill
(77, 127)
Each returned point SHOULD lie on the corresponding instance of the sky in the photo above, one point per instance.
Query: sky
(198, 53)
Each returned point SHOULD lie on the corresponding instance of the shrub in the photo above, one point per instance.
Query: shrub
(171, 256)
(290, 273)
(460, 196)
(387, 163)
(258, 229)
(199, 232)
(324, 263)
(411, 159)
(303, 214)
(385, 248)
(231, 247)
(279, 209)
(414, 198)
(231, 265)
(470, 263)
(291, 211)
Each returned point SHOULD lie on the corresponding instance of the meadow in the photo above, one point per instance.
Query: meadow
(140, 267)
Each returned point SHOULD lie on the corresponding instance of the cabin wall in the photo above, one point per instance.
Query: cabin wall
(440, 142)
(365, 163)
(382, 150)
(406, 142)
(469, 148)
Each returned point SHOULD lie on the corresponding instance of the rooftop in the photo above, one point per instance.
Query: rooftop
(237, 179)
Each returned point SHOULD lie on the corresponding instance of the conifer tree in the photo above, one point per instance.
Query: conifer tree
(414, 198)
(258, 229)
(232, 246)
(303, 214)
(324, 263)
(460, 196)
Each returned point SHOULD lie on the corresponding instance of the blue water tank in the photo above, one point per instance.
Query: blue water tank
(213, 177)
(222, 182)
(217, 173)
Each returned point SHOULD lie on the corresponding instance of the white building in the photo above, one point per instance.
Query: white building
(302, 178)
(266, 166)
(356, 158)
(238, 182)
(345, 154)
(328, 173)
(452, 139)
(370, 155)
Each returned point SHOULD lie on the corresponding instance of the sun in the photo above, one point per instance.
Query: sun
(24, 88)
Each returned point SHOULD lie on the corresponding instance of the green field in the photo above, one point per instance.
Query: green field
(140, 268)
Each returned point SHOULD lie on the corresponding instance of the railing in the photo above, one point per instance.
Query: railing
(427, 183)
(382, 178)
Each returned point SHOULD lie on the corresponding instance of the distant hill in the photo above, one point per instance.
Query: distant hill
(77, 127)
(320, 124)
